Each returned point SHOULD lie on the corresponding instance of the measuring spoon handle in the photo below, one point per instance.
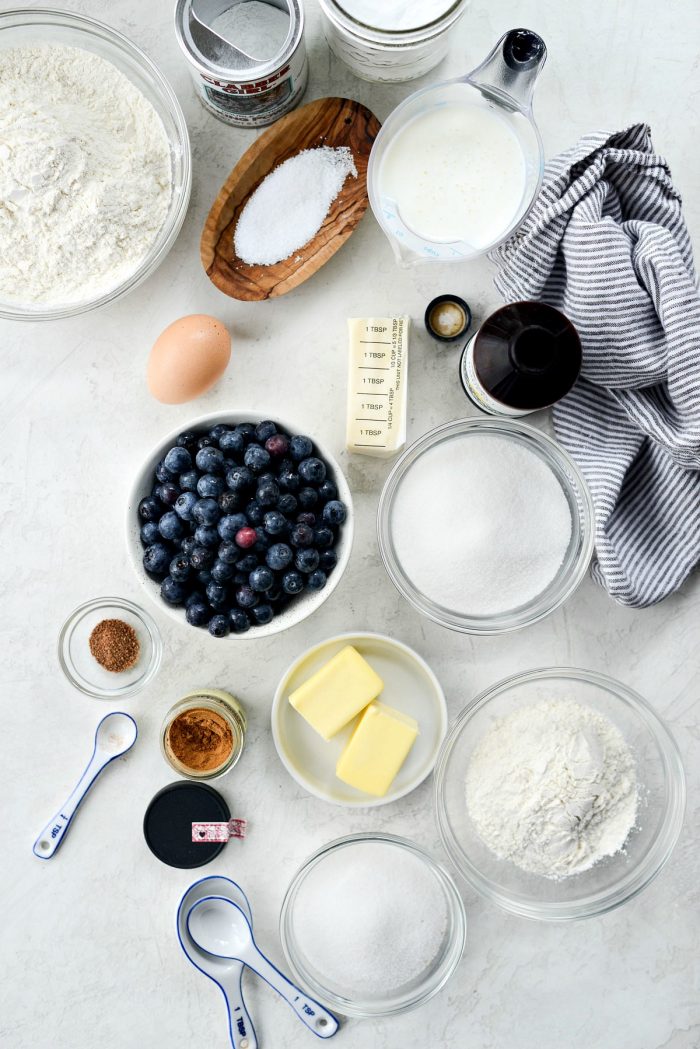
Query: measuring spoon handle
(56, 829)
(310, 1012)
(241, 1028)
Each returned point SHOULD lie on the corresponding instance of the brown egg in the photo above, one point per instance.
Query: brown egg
(188, 358)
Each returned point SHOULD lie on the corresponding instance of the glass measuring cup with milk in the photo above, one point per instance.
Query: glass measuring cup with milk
(457, 166)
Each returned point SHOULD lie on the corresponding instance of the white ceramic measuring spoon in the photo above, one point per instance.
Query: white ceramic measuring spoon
(114, 735)
(219, 927)
(225, 972)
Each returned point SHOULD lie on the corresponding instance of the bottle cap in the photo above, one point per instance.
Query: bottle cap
(447, 318)
(167, 825)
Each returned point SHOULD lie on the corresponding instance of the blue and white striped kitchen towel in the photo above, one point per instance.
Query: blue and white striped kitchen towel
(606, 243)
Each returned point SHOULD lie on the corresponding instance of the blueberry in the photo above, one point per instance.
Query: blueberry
(150, 509)
(172, 591)
(308, 498)
(274, 522)
(328, 490)
(246, 597)
(217, 594)
(240, 478)
(187, 545)
(168, 493)
(229, 552)
(241, 578)
(201, 558)
(289, 480)
(274, 593)
(163, 473)
(328, 560)
(334, 512)
(312, 470)
(261, 578)
(323, 537)
(211, 487)
(232, 442)
(206, 535)
(268, 494)
(204, 578)
(149, 533)
(292, 582)
(229, 525)
(218, 431)
(246, 565)
(256, 458)
(195, 597)
(262, 543)
(307, 560)
(229, 502)
(221, 572)
(210, 460)
(278, 556)
(300, 448)
(301, 535)
(246, 537)
(254, 512)
(180, 568)
(178, 460)
(187, 439)
(188, 481)
(205, 442)
(197, 613)
(170, 526)
(156, 559)
(317, 580)
(239, 621)
(264, 430)
(263, 614)
(247, 430)
(307, 518)
(287, 504)
(206, 511)
(277, 445)
(219, 625)
(185, 505)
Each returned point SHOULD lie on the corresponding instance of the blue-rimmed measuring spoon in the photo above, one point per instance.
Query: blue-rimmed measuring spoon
(114, 735)
(225, 972)
(218, 926)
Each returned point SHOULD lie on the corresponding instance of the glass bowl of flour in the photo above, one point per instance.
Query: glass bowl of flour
(95, 166)
(485, 525)
(559, 793)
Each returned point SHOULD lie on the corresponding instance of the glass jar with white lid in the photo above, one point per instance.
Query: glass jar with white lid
(391, 41)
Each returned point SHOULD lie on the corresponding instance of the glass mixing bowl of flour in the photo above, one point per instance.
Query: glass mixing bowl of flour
(35, 28)
(485, 525)
(615, 878)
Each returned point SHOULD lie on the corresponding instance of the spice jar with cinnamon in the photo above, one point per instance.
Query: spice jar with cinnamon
(203, 734)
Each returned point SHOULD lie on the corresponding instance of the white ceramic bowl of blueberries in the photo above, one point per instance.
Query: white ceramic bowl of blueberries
(239, 524)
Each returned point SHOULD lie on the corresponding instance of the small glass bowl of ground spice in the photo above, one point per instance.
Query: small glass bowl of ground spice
(203, 734)
(109, 648)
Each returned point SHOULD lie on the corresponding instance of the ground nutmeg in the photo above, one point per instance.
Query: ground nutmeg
(115, 645)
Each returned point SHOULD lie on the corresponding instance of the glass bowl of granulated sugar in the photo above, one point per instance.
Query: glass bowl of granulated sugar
(485, 525)
(95, 165)
(559, 794)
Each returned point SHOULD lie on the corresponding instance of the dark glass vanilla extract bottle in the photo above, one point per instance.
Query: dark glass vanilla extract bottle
(524, 357)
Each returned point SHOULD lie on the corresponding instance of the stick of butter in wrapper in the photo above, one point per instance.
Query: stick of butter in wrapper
(377, 374)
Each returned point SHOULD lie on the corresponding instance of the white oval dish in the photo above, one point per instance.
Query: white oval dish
(409, 685)
(306, 603)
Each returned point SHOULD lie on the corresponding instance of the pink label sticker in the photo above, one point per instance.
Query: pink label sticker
(208, 832)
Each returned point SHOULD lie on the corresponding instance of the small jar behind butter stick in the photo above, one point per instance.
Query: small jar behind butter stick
(377, 377)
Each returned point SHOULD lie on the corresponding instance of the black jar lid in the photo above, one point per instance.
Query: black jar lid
(167, 824)
(527, 355)
(461, 313)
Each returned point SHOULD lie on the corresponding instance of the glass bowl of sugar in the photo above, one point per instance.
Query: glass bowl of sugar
(559, 794)
(372, 925)
(485, 525)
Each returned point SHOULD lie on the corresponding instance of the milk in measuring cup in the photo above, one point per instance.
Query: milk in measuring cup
(456, 173)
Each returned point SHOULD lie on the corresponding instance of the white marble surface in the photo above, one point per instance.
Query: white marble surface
(88, 939)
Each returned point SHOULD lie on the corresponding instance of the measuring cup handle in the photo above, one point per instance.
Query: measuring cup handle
(241, 1030)
(56, 829)
(511, 69)
(310, 1012)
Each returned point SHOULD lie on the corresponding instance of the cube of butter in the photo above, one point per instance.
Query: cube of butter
(377, 749)
(337, 692)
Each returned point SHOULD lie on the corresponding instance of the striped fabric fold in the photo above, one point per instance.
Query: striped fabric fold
(607, 244)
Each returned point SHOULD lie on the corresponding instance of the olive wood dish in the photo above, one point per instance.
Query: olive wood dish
(326, 122)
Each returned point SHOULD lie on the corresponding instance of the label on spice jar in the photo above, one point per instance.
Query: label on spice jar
(475, 390)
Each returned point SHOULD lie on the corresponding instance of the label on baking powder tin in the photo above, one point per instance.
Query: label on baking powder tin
(477, 393)
(258, 102)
